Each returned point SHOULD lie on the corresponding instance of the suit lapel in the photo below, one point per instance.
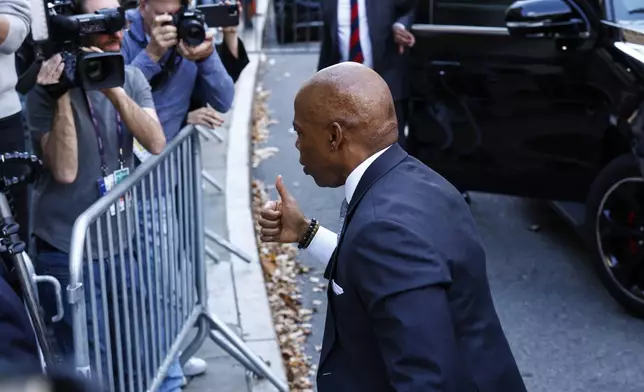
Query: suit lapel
(387, 161)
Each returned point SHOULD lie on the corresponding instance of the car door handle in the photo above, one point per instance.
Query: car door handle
(446, 64)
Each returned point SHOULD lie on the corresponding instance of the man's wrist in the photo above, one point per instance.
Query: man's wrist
(115, 94)
(304, 228)
(310, 233)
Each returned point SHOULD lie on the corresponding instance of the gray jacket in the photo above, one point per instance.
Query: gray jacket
(18, 14)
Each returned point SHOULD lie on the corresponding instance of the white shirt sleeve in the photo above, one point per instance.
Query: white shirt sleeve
(323, 245)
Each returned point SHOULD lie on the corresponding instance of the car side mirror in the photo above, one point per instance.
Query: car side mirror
(546, 19)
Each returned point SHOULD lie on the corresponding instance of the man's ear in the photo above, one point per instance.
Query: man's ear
(336, 136)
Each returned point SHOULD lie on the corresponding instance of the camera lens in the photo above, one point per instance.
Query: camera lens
(94, 70)
(192, 32)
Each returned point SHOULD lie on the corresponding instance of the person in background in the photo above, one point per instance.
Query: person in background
(234, 58)
(174, 69)
(381, 28)
(15, 23)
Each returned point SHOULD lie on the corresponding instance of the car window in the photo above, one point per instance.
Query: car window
(488, 13)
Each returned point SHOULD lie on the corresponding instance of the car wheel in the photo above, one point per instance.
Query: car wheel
(615, 230)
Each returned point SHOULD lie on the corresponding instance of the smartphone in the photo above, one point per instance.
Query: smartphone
(220, 15)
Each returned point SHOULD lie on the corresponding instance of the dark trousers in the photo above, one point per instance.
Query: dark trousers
(12, 138)
(402, 112)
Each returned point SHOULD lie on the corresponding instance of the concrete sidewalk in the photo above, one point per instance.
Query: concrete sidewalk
(237, 293)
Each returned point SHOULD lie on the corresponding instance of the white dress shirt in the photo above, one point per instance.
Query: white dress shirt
(344, 31)
(325, 241)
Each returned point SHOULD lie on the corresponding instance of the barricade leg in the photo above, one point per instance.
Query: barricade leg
(216, 337)
(244, 355)
(211, 181)
(211, 235)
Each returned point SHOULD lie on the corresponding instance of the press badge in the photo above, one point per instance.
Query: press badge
(108, 182)
(119, 177)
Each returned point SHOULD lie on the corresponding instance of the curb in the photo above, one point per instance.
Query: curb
(252, 302)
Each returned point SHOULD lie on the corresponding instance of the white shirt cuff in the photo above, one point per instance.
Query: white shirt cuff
(402, 26)
(323, 245)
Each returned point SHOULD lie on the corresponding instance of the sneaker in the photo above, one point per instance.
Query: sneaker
(194, 367)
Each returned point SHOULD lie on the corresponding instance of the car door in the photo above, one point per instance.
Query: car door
(500, 114)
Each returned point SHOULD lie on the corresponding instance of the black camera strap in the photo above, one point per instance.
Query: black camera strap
(167, 69)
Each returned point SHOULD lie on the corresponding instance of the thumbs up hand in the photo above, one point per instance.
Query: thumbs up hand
(282, 220)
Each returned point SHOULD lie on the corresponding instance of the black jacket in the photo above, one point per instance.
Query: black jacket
(413, 311)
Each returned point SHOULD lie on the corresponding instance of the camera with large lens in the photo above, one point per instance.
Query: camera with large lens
(57, 27)
(70, 31)
(191, 26)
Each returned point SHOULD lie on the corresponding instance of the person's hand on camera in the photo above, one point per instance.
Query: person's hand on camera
(232, 30)
(199, 52)
(205, 116)
(403, 37)
(107, 91)
(162, 37)
(282, 221)
(51, 70)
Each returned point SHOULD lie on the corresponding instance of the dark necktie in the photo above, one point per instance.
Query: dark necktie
(355, 50)
(343, 214)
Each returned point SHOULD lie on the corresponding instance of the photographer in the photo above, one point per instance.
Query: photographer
(15, 21)
(86, 141)
(173, 67)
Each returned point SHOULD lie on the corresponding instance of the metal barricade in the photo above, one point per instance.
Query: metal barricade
(138, 280)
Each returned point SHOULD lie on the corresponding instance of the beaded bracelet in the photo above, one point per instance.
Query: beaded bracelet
(310, 233)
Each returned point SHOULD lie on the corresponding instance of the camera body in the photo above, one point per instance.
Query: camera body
(58, 28)
(220, 14)
(93, 71)
(70, 31)
(191, 26)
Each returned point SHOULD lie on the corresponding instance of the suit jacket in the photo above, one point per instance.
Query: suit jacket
(415, 312)
(387, 61)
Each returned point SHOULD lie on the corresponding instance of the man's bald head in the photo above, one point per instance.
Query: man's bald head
(355, 97)
(343, 115)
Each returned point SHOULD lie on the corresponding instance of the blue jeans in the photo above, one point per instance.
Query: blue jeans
(56, 264)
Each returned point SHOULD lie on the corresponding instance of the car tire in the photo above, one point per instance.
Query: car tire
(619, 176)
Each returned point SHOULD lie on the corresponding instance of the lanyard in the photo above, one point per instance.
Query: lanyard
(99, 139)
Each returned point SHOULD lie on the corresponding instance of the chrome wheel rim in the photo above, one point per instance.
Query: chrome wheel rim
(619, 231)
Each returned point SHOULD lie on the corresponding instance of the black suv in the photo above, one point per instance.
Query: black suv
(541, 99)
